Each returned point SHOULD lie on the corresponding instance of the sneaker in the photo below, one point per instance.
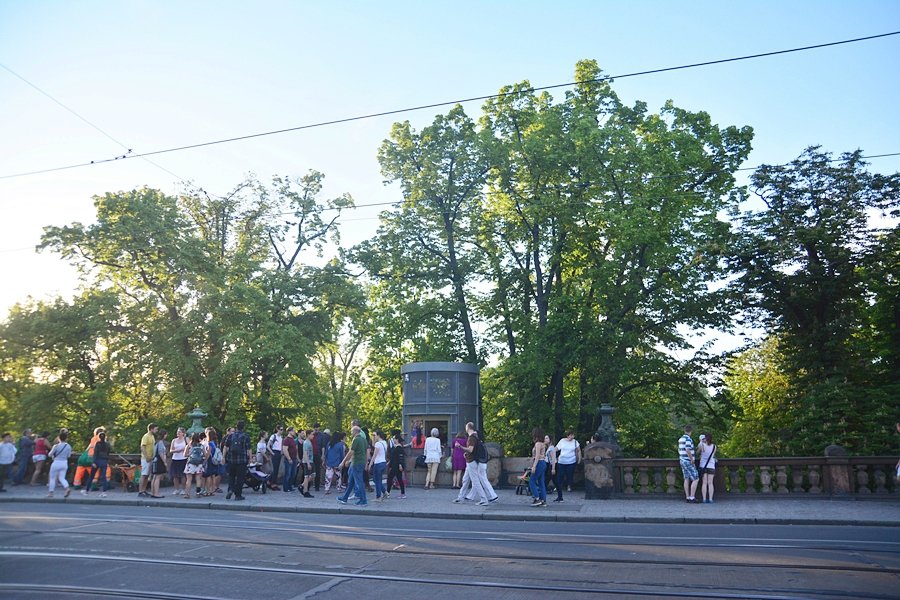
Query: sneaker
(239, 498)
(494, 499)
(68, 491)
(558, 500)
(305, 495)
(143, 494)
(483, 503)
(361, 503)
(228, 495)
(535, 501)
(83, 492)
(456, 500)
(402, 496)
(342, 501)
(103, 494)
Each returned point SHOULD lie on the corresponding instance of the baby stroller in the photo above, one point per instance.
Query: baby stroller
(256, 479)
(522, 484)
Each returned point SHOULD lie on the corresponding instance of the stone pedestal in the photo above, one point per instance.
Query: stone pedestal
(495, 464)
(837, 471)
(599, 474)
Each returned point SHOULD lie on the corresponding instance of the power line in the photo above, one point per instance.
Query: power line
(93, 125)
(451, 102)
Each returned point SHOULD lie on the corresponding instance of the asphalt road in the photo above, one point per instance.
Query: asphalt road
(90, 551)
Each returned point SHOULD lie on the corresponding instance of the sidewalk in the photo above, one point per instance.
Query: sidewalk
(438, 503)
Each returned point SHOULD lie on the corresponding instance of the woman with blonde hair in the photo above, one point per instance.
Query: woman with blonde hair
(433, 454)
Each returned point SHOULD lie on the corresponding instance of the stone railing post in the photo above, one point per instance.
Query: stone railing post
(599, 470)
(837, 471)
(495, 463)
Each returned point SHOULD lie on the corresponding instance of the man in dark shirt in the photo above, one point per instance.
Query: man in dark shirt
(26, 451)
(99, 464)
(237, 454)
(289, 457)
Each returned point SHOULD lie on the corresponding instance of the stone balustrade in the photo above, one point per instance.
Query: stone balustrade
(833, 475)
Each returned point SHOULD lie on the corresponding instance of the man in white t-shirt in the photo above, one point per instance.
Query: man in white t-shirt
(568, 454)
(274, 445)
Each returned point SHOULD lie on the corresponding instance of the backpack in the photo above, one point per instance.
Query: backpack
(217, 458)
(195, 457)
(237, 443)
(481, 452)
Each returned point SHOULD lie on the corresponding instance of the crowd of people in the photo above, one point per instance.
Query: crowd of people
(307, 460)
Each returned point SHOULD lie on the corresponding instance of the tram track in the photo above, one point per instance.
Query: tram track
(543, 586)
(586, 540)
(405, 550)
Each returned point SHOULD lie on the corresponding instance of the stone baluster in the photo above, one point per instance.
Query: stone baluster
(735, 477)
(657, 480)
(750, 479)
(862, 479)
(880, 481)
(670, 480)
(765, 479)
(815, 478)
(797, 476)
(781, 479)
(643, 480)
(628, 480)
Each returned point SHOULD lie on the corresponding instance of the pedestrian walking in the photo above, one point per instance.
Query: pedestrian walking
(568, 454)
(41, 449)
(237, 454)
(197, 454)
(59, 467)
(274, 446)
(148, 449)
(536, 482)
(290, 459)
(458, 459)
(333, 458)
(7, 457)
(160, 467)
(24, 454)
(472, 478)
(356, 458)
(378, 464)
(397, 464)
(433, 455)
(214, 468)
(178, 457)
(708, 468)
(307, 462)
(686, 459)
(99, 465)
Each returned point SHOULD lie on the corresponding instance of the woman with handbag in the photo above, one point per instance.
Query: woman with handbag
(433, 454)
(159, 467)
(59, 454)
(708, 468)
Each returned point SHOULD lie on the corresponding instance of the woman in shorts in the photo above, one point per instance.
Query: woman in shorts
(41, 448)
(179, 461)
(193, 473)
(707, 468)
(214, 472)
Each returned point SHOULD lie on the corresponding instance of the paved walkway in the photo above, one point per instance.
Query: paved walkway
(438, 504)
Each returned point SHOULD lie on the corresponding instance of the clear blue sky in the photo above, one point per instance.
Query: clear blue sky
(166, 73)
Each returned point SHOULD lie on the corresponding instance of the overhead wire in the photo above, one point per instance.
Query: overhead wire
(91, 124)
(448, 103)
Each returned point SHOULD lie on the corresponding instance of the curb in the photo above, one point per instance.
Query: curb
(482, 516)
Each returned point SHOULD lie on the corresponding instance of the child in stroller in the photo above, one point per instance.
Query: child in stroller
(257, 480)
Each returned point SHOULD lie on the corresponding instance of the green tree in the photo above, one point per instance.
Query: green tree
(812, 267)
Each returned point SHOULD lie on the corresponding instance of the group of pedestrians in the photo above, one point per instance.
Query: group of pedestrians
(552, 463)
(697, 468)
